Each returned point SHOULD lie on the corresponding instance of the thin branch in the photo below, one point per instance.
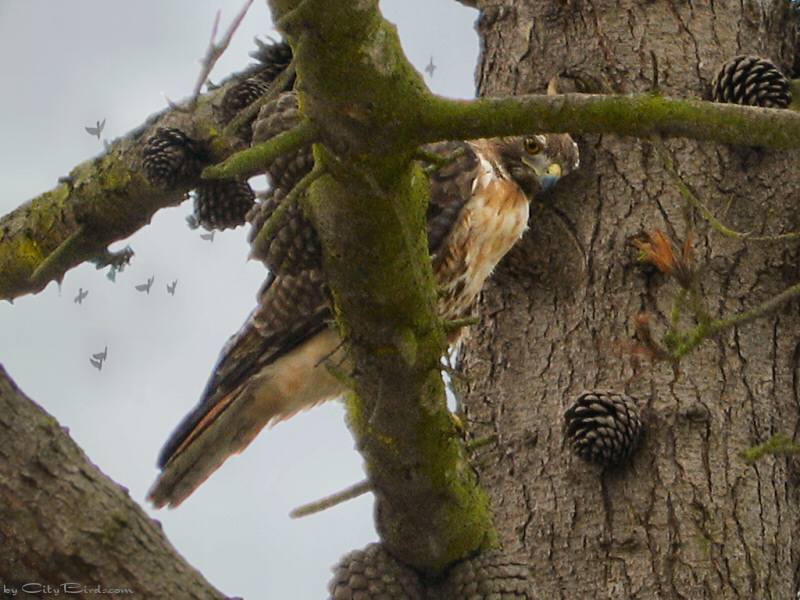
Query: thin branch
(253, 161)
(262, 241)
(686, 192)
(216, 50)
(349, 493)
(706, 330)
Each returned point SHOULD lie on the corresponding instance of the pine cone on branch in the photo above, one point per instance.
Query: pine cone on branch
(603, 427)
(751, 81)
(222, 203)
(170, 157)
(491, 574)
(273, 58)
(372, 573)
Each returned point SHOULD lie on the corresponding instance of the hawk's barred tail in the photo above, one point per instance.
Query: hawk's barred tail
(276, 365)
(296, 381)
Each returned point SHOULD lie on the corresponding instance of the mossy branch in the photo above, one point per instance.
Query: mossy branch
(261, 243)
(370, 110)
(103, 200)
(779, 445)
(255, 160)
(112, 194)
(639, 115)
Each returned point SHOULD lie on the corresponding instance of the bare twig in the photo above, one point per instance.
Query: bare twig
(687, 193)
(354, 491)
(215, 50)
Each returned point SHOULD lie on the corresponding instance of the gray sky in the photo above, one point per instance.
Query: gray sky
(67, 65)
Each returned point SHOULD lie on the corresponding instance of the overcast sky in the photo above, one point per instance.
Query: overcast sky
(67, 65)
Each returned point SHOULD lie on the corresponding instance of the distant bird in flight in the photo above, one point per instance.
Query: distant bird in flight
(430, 68)
(81, 295)
(97, 359)
(208, 236)
(96, 130)
(145, 287)
(171, 288)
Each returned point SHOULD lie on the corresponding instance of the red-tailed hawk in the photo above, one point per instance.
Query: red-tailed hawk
(276, 365)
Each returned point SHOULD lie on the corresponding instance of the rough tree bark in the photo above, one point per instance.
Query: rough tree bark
(65, 527)
(688, 517)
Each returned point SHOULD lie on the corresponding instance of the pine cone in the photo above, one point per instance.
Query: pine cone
(222, 203)
(603, 427)
(274, 58)
(294, 246)
(170, 157)
(276, 117)
(752, 81)
(289, 169)
(372, 573)
(242, 95)
(491, 574)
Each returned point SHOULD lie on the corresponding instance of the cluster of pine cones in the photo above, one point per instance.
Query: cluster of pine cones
(171, 158)
(372, 573)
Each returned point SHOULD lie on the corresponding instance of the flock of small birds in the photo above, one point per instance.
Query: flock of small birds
(97, 359)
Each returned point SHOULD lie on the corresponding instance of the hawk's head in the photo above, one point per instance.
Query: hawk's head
(536, 162)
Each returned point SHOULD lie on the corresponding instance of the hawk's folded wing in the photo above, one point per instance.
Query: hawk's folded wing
(272, 368)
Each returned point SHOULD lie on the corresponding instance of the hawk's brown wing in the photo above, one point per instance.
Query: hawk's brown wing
(291, 310)
(244, 393)
(451, 187)
(273, 366)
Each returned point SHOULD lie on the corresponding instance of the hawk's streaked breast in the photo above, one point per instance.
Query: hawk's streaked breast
(489, 224)
(276, 365)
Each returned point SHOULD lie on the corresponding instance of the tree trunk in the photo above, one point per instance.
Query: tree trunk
(686, 517)
(67, 529)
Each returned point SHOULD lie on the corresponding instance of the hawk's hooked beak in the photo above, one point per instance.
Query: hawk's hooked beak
(547, 177)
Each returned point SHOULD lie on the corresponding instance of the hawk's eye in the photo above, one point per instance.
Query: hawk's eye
(532, 146)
